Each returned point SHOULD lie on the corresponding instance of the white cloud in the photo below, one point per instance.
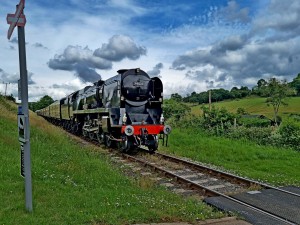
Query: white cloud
(234, 43)
(156, 70)
(120, 47)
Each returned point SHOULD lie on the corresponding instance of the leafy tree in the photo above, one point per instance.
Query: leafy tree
(194, 97)
(42, 103)
(296, 84)
(276, 92)
(260, 89)
(177, 97)
(261, 83)
(235, 92)
(220, 95)
(240, 93)
(203, 97)
(45, 101)
(245, 91)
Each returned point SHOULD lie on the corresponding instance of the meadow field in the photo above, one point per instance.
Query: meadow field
(255, 106)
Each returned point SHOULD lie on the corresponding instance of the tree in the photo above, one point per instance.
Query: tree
(177, 97)
(45, 101)
(42, 103)
(261, 83)
(260, 89)
(235, 92)
(276, 92)
(296, 84)
(245, 91)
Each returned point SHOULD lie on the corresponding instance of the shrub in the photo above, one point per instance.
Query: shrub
(217, 119)
(172, 108)
(11, 98)
(290, 133)
(241, 111)
(260, 135)
(191, 121)
(295, 116)
(186, 121)
(275, 139)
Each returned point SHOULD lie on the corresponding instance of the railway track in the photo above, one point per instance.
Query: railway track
(203, 180)
(208, 181)
(227, 176)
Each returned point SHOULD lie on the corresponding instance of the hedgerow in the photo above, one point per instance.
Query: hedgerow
(219, 122)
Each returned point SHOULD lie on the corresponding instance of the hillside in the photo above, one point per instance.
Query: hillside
(78, 184)
(255, 105)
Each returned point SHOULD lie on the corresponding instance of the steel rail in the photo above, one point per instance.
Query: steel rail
(223, 174)
(204, 189)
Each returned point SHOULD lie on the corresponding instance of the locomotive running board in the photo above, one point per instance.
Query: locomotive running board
(84, 111)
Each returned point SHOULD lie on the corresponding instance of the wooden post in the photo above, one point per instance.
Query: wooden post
(209, 99)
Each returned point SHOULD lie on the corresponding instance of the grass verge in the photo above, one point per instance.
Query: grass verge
(277, 166)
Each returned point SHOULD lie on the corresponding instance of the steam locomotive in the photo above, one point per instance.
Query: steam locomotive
(125, 110)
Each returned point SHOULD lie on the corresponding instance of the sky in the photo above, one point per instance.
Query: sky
(192, 45)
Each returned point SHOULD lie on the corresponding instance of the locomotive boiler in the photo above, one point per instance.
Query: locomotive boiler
(125, 110)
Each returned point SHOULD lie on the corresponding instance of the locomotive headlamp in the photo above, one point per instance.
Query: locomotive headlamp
(137, 70)
(129, 130)
(122, 98)
(160, 99)
(162, 119)
(167, 129)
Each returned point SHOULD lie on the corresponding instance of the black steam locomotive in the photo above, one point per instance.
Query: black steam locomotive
(125, 110)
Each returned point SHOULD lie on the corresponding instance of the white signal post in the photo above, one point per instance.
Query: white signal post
(18, 19)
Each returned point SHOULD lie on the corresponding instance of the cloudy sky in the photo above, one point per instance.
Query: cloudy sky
(193, 45)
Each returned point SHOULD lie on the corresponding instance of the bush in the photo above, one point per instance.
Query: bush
(177, 110)
(11, 98)
(295, 116)
(190, 121)
(260, 135)
(218, 120)
(241, 111)
(290, 133)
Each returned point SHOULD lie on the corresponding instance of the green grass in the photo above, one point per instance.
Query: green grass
(268, 164)
(255, 105)
(74, 184)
